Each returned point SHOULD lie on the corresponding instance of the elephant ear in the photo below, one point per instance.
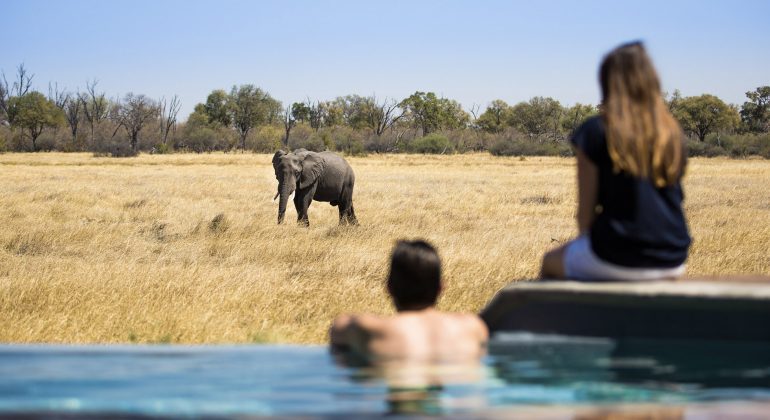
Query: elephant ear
(312, 168)
(277, 159)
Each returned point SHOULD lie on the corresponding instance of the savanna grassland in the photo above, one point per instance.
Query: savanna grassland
(185, 248)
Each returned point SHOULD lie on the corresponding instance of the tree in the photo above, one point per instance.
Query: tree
(217, 108)
(327, 114)
(495, 117)
(301, 111)
(133, 113)
(755, 114)
(72, 115)
(575, 115)
(705, 114)
(674, 100)
(250, 107)
(60, 98)
(199, 117)
(290, 120)
(168, 113)
(353, 110)
(309, 112)
(96, 107)
(18, 88)
(431, 113)
(4, 97)
(34, 112)
(383, 115)
(538, 117)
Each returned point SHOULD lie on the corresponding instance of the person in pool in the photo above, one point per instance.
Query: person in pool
(418, 331)
(630, 162)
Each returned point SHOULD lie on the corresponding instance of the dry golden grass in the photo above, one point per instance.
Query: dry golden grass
(184, 248)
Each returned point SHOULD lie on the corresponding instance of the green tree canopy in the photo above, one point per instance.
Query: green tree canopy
(755, 113)
(537, 117)
(431, 113)
(575, 115)
(300, 111)
(705, 114)
(328, 114)
(250, 107)
(199, 116)
(495, 118)
(34, 112)
(217, 109)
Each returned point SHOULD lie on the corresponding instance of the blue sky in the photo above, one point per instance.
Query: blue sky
(470, 51)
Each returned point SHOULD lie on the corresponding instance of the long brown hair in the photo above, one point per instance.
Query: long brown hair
(643, 138)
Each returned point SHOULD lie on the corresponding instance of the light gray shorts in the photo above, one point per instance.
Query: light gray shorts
(580, 263)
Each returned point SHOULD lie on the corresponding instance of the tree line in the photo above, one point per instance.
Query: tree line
(248, 118)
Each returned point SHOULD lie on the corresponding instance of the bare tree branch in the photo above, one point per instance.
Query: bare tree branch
(95, 107)
(383, 115)
(168, 115)
(288, 123)
(133, 113)
(24, 82)
(72, 115)
(474, 111)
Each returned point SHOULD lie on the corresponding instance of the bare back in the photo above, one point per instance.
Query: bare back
(425, 335)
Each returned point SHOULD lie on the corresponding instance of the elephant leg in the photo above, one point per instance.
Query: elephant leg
(352, 216)
(304, 199)
(298, 205)
(347, 215)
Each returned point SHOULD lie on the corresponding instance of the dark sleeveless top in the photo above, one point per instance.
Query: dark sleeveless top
(639, 224)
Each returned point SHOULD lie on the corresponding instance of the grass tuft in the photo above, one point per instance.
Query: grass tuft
(219, 224)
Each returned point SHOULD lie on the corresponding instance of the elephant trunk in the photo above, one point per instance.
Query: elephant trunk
(285, 192)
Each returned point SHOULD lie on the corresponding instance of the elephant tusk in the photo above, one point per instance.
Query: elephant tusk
(276, 196)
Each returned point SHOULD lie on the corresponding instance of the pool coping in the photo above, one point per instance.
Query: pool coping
(692, 309)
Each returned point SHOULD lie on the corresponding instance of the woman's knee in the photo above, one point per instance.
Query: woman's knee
(553, 264)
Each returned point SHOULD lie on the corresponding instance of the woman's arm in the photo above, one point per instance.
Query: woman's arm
(588, 191)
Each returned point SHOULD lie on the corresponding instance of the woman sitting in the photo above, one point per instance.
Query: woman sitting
(630, 162)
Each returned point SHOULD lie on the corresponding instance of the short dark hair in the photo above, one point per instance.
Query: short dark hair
(415, 274)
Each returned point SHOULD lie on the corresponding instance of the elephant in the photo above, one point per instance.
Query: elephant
(320, 176)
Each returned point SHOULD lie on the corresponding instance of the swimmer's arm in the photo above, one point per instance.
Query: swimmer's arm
(588, 191)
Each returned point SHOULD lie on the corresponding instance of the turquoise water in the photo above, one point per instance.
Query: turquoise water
(294, 380)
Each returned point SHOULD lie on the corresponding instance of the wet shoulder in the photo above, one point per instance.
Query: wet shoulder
(370, 323)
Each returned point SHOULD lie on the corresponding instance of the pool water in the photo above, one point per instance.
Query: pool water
(521, 370)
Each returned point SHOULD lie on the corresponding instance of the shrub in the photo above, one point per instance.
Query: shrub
(161, 149)
(733, 145)
(431, 144)
(347, 140)
(748, 145)
(302, 136)
(389, 141)
(468, 140)
(524, 146)
(265, 139)
(199, 139)
(116, 149)
(5, 136)
(703, 149)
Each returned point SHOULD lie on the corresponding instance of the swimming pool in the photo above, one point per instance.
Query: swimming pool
(521, 370)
